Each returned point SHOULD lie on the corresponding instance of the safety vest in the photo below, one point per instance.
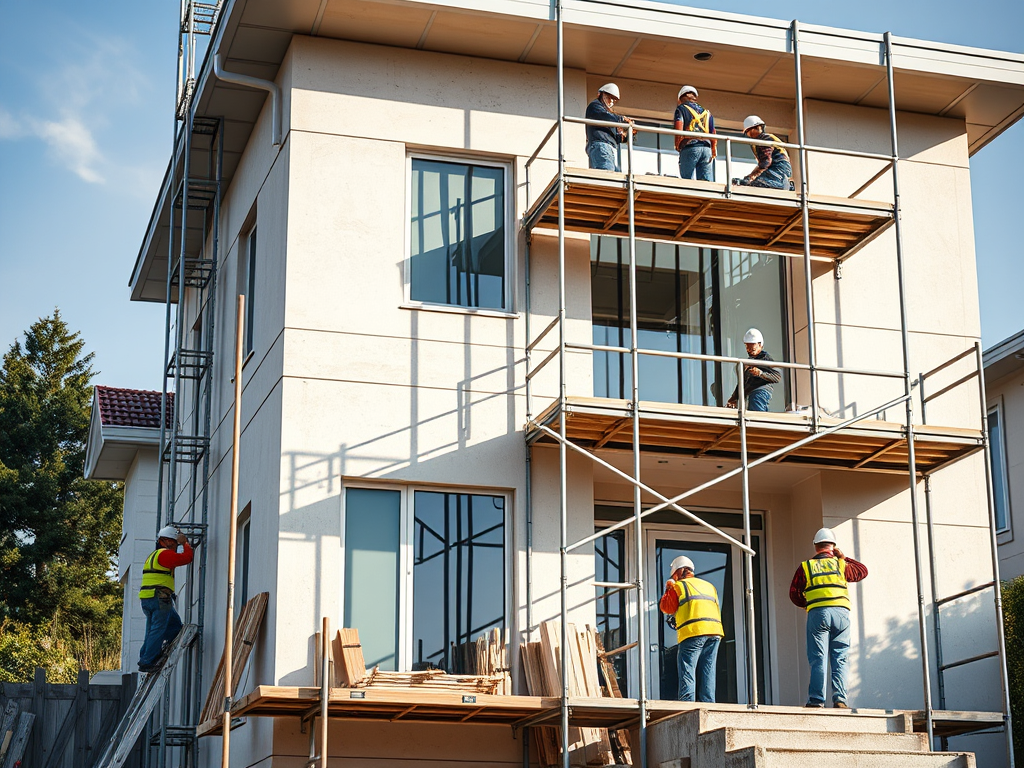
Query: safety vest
(778, 152)
(155, 575)
(826, 583)
(698, 612)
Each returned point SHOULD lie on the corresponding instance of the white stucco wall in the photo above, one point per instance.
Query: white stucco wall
(138, 537)
(1008, 393)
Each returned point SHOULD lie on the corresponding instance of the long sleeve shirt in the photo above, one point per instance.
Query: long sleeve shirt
(684, 121)
(855, 571)
(597, 110)
(752, 381)
(768, 156)
(171, 558)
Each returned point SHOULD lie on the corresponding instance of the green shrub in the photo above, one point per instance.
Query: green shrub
(23, 648)
(1013, 618)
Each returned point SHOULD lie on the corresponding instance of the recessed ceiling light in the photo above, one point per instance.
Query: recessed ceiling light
(663, 461)
(703, 56)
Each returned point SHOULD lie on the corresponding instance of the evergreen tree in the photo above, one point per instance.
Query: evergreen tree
(59, 533)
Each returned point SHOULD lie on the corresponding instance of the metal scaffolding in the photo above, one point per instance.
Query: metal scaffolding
(536, 429)
(183, 494)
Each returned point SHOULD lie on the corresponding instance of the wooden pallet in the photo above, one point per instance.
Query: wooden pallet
(699, 212)
(247, 627)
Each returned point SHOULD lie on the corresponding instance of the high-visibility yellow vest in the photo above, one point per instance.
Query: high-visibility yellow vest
(698, 612)
(826, 583)
(699, 122)
(155, 575)
(778, 152)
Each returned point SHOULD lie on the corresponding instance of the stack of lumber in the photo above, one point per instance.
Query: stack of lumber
(542, 665)
(15, 730)
(349, 670)
(247, 627)
(487, 655)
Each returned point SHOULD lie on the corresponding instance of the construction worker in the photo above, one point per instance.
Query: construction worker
(693, 605)
(603, 140)
(695, 155)
(757, 381)
(819, 585)
(157, 595)
(773, 167)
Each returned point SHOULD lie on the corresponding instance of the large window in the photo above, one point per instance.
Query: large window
(689, 299)
(248, 286)
(1000, 489)
(610, 567)
(459, 234)
(436, 558)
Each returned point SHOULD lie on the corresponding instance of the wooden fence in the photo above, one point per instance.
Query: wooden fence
(72, 722)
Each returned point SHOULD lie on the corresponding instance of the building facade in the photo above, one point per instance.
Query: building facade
(1004, 390)
(376, 215)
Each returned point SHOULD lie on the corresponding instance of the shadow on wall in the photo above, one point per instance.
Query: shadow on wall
(889, 663)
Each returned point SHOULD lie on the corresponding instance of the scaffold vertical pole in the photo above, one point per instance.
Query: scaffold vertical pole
(907, 384)
(634, 355)
(563, 500)
(528, 479)
(806, 224)
(748, 559)
(1004, 678)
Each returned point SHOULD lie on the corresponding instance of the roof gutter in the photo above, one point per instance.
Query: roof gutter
(254, 82)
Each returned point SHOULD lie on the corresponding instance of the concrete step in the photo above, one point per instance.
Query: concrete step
(770, 757)
(712, 746)
(677, 736)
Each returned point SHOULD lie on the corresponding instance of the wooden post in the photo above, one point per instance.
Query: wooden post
(229, 621)
(325, 689)
(82, 724)
(39, 710)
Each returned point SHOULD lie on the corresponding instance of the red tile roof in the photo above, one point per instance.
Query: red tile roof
(131, 407)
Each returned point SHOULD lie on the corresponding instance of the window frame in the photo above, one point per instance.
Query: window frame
(998, 453)
(508, 169)
(248, 260)
(406, 554)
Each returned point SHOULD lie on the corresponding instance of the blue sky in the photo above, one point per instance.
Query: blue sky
(86, 94)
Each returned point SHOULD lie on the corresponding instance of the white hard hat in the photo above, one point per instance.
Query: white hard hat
(824, 536)
(753, 336)
(167, 532)
(687, 89)
(681, 562)
(610, 88)
(750, 121)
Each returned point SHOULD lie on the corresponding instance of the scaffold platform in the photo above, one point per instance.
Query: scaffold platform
(698, 430)
(705, 213)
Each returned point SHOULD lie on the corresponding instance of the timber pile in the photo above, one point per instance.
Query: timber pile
(488, 656)
(349, 669)
(247, 626)
(542, 665)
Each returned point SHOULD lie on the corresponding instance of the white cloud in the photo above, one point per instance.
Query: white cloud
(72, 143)
(10, 126)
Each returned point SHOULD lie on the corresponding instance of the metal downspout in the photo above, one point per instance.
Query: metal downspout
(254, 82)
(806, 224)
(1004, 678)
(907, 384)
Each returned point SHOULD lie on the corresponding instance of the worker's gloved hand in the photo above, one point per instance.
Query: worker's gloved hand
(838, 553)
(181, 538)
(744, 181)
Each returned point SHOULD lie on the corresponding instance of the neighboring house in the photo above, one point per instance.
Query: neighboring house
(379, 217)
(1004, 391)
(124, 440)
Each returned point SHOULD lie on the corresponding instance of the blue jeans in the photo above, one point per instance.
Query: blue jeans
(828, 633)
(603, 156)
(695, 157)
(776, 177)
(695, 661)
(162, 626)
(759, 399)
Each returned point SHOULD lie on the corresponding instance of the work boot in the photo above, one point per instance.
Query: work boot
(840, 704)
(812, 705)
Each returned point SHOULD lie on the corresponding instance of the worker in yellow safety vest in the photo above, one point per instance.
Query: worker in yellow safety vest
(693, 604)
(157, 595)
(821, 586)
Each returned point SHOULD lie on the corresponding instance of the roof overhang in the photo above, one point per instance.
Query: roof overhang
(632, 40)
(110, 450)
(1005, 358)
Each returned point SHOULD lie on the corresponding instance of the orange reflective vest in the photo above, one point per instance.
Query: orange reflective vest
(698, 612)
(826, 583)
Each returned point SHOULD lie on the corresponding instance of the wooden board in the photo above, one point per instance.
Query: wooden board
(701, 213)
(349, 666)
(247, 627)
(708, 431)
(19, 740)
